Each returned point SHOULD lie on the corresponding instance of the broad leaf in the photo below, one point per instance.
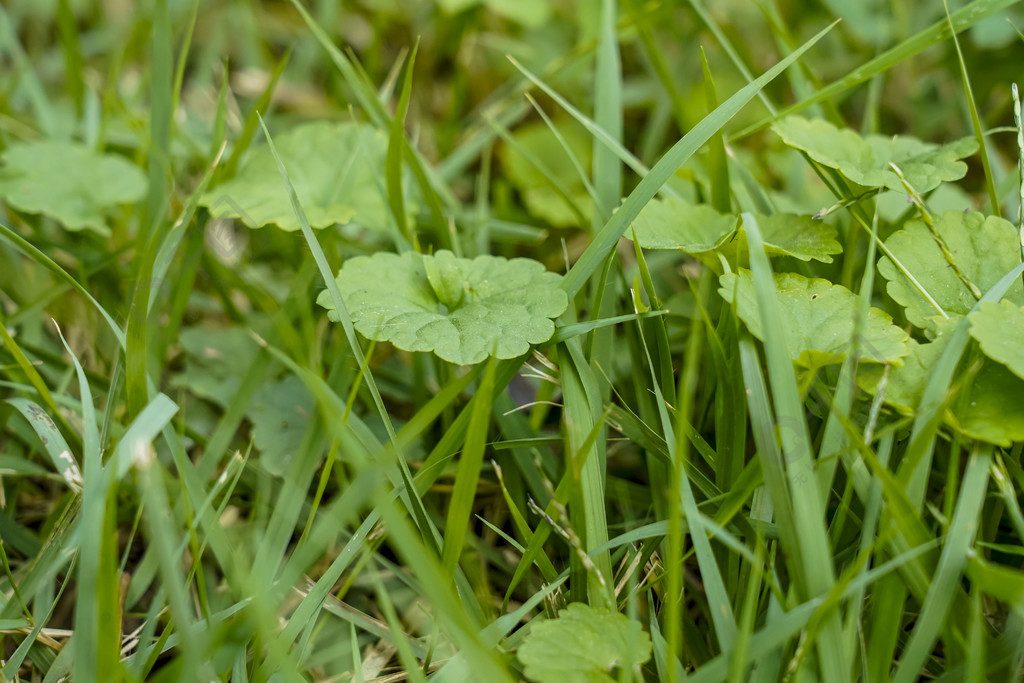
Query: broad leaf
(818, 320)
(279, 414)
(984, 248)
(865, 159)
(990, 410)
(69, 182)
(676, 224)
(461, 309)
(215, 362)
(999, 329)
(536, 143)
(583, 645)
(337, 171)
(697, 229)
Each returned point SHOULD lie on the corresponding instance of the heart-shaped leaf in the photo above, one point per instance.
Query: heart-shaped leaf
(865, 159)
(817, 321)
(461, 309)
(583, 645)
(69, 182)
(984, 249)
(335, 168)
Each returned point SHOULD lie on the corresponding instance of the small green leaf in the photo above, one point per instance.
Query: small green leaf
(583, 645)
(69, 182)
(992, 410)
(818, 320)
(906, 383)
(676, 224)
(541, 199)
(461, 309)
(865, 159)
(999, 328)
(279, 414)
(529, 13)
(984, 248)
(215, 362)
(697, 229)
(802, 237)
(337, 170)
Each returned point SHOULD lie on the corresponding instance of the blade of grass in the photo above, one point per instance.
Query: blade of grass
(932, 617)
(808, 513)
(959, 21)
(464, 492)
(609, 235)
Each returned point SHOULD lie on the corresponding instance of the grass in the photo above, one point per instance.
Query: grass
(202, 477)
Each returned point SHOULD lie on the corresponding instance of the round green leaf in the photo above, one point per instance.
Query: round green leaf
(69, 182)
(461, 309)
(999, 328)
(865, 159)
(802, 237)
(697, 229)
(337, 170)
(583, 645)
(984, 248)
(676, 224)
(817, 320)
(992, 410)
(539, 144)
(906, 382)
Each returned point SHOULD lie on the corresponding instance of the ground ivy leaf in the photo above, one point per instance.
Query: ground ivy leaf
(865, 159)
(583, 645)
(999, 328)
(215, 362)
(337, 170)
(801, 237)
(279, 414)
(677, 224)
(69, 182)
(984, 248)
(697, 229)
(992, 410)
(461, 309)
(817, 320)
(906, 383)
(540, 198)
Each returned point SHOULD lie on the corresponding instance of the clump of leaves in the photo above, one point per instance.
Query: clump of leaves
(583, 645)
(69, 182)
(461, 309)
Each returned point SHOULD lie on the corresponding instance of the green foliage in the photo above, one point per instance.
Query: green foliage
(984, 248)
(70, 182)
(337, 171)
(583, 645)
(818, 320)
(775, 438)
(464, 310)
(867, 159)
(999, 327)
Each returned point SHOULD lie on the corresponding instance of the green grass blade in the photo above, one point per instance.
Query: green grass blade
(609, 235)
(460, 508)
(954, 559)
